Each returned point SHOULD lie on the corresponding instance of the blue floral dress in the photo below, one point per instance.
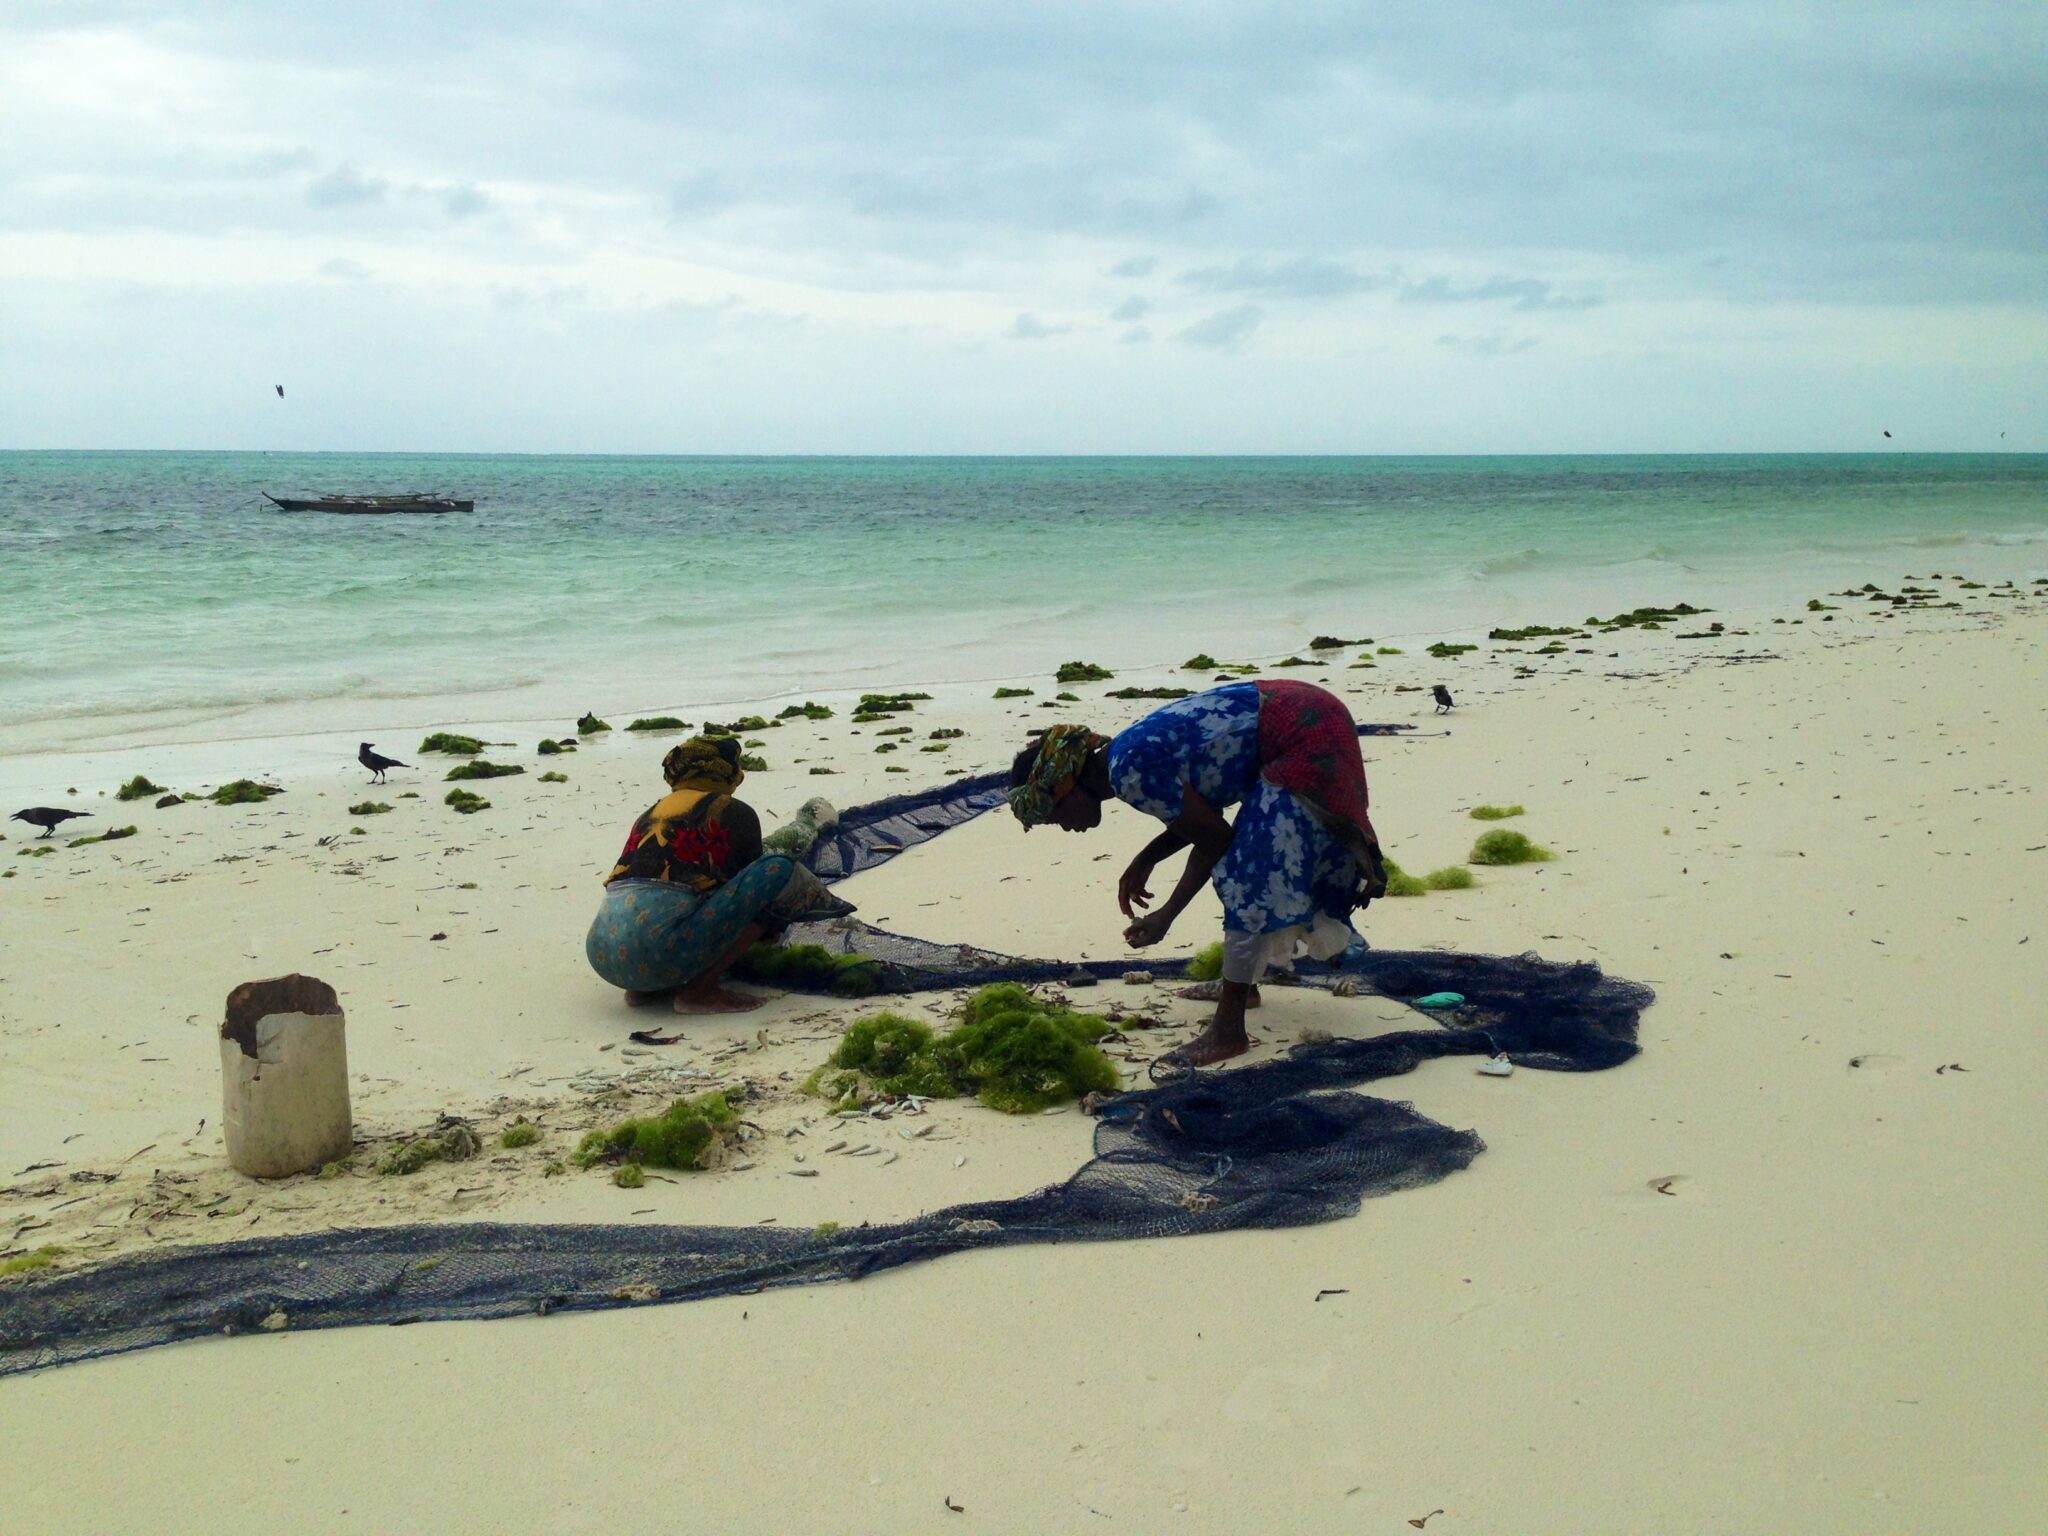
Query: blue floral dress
(1284, 876)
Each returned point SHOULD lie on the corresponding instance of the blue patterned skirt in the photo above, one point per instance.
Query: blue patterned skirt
(651, 936)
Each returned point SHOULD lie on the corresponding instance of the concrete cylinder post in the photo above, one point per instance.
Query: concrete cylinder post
(284, 1077)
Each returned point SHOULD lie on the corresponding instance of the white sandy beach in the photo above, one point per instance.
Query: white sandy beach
(1781, 1272)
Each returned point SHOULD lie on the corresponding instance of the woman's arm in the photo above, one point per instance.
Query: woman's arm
(1130, 890)
(1207, 836)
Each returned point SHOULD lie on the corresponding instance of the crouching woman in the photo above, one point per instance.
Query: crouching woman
(692, 891)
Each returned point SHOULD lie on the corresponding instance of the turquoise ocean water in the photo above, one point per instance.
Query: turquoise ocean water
(161, 585)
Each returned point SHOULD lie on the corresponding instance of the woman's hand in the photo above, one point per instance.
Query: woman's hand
(1148, 930)
(1131, 890)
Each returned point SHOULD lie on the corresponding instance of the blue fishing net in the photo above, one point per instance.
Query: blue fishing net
(1280, 1143)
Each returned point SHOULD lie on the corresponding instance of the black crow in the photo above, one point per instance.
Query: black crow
(280, 391)
(1442, 695)
(376, 762)
(49, 818)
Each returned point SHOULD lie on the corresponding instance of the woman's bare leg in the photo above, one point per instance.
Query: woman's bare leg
(705, 995)
(1212, 991)
(1225, 1036)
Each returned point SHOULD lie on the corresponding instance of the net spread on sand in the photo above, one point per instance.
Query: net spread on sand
(1272, 1145)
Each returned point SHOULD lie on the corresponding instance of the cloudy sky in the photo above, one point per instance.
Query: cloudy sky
(1067, 226)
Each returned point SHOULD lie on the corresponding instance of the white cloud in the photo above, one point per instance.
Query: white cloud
(463, 202)
(1031, 328)
(344, 187)
(1491, 344)
(1626, 195)
(1225, 328)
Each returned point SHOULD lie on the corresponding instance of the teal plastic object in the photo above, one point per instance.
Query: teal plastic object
(1440, 1000)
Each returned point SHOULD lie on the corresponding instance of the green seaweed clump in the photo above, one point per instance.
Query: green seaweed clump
(479, 768)
(466, 802)
(1019, 1054)
(455, 746)
(554, 778)
(1501, 846)
(555, 748)
(1452, 877)
(1443, 650)
(741, 726)
(1207, 965)
(1014, 693)
(1082, 672)
(1201, 661)
(805, 711)
(690, 1133)
(1493, 812)
(368, 808)
(1400, 882)
(1390, 650)
(935, 746)
(590, 725)
(809, 966)
(887, 1056)
(1148, 693)
(947, 733)
(244, 792)
(1067, 698)
(658, 723)
(524, 1134)
(1297, 661)
(1332, 643)
(138, 788)
(753, 762)
(35, 851)
(629, 1176)
(111, 835)
(890, 703)
(1010, 1050)
(455, 1142)
(1533, 632)
(37, 1258)
(1648, 618)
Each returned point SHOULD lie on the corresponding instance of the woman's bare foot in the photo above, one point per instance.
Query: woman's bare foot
(1219, 1042)
(642, 999)
(715, 1000)
(1211, 991)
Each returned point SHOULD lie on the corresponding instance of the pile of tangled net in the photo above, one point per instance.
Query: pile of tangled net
(1277, 1144)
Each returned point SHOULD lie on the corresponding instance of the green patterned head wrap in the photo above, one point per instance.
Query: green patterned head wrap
(702, 764)
(1062, 752)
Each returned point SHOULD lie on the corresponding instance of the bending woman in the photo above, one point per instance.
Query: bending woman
(693, 891)
(1299, 859)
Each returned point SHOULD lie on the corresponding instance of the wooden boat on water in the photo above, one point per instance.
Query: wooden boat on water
(370, 506)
